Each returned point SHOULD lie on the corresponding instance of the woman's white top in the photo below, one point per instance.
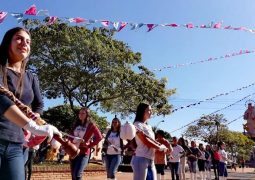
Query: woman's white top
(142, 150)
(223, 156)
(79, 132)
(176, 153)
(114, 144)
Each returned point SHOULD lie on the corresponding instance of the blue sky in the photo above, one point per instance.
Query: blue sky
(169, 46)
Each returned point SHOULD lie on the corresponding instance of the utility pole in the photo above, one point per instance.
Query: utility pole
(217, 124)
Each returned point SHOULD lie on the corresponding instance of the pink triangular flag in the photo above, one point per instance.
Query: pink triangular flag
(122, 25)
(217, 25)
(227, 27)
(172, 25)
(52, 20)
(78, 20)
(240, 28)
(105, 23)
(31, 10)
(151, 26)
(189, 25)
(2, 16)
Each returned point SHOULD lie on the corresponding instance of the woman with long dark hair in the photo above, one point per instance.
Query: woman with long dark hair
(183, 143)
(14, 52)
(85, 130)
(113, 148)
(145, 150)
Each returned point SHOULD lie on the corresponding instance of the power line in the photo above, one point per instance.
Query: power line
(213, 112)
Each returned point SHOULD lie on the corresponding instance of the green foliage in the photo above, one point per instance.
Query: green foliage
(91, 68)
(206, 128)
(237, 142)
(64, 118)
(211, 129)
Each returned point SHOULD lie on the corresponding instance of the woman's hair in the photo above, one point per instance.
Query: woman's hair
(181, 141)
(140, 112)
(220, 143)
(119, 124)
(208, 147)
(4, 55)
(78, 121)
(161, 133)
(201, 146)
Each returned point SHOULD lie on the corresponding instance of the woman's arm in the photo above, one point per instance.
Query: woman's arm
(148, 142)
(37, 103)
(97, 136)
(14, 114)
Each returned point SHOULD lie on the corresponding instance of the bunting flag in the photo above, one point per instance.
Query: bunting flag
(209, 99)
(105, 23)
(214, 112)
(2, 16)
(122, 25)
(77, 20)
(52, 20)
(42, 13)
(151, 26)
(31, 10)
(18, 16)
(119, 25)
(241, 52)
(116, 25)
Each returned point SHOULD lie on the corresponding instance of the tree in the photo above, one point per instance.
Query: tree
(236, 142)
(91, 68)
(211, 129)
(64, 118)
(207, 128)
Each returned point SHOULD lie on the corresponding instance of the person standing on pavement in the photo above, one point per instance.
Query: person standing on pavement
(184, 144)
(215, 161)
(14, 53)
(160, 156)
(87, 136)
(146, 144)
(192, 160)
(113, 149)
(175, 158)
(223, 173)
(201, 161)
(208, 161)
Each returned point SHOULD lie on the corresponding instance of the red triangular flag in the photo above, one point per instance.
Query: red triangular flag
(31, 10)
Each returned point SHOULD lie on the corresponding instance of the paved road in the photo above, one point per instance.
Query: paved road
(245, 174)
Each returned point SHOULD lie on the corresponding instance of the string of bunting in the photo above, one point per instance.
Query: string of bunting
(209, 99)
(241, 52)
(234, 120)
(31, 12)
(214, 112)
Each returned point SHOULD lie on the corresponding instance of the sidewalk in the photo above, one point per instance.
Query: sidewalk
(245, 174)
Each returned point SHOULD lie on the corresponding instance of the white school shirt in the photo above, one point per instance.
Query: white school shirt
(142, 150)
(113, 140)
(223, 156)
(79, 131)
(176, 153)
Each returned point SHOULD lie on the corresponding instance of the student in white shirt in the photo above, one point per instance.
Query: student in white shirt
(223, 173)
(175, 158)
(146, 144)
(113, 148)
